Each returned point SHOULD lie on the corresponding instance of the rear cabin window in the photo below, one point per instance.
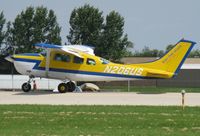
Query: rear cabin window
(62, 57)
(78, 60)
(91, 61)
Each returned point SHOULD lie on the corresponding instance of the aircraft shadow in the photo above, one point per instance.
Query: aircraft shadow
(38, 92)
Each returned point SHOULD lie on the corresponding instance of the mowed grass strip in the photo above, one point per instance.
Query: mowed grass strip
(149, 89)
(18, 120)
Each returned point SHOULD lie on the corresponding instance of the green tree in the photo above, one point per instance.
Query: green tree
(86, 24)
(4, 36)
(53, 29)
(113, 41)
(34, 25)
(87, 27)
(2, 32)
(22, 30)
(45, 26)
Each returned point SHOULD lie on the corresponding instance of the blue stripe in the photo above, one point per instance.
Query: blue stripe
(80, 71)
(29, 54)
(26, 60)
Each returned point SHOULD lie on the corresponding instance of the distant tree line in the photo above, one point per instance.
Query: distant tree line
(147, 52)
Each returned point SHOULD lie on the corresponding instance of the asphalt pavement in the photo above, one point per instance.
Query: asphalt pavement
(98, 98)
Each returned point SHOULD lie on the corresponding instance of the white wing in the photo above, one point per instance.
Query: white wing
(82, 48)
(71, 49)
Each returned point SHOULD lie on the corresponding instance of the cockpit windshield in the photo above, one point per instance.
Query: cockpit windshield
(104, 61)
(43, 53)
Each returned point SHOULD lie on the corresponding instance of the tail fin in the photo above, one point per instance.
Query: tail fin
(172, 61)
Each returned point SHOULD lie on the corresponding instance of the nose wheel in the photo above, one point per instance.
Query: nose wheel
(66, 87)
(26, 87)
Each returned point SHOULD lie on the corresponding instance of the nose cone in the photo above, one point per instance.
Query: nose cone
(10, 58)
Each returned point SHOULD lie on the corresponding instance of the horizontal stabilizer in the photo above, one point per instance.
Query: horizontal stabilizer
(159, 73)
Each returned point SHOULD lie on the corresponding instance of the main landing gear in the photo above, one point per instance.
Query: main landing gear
(62, 87)
(26, 87)
(66, 87)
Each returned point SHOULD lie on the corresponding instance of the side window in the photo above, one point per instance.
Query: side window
(62, 57)
(91, 61)
(66, 58)
(78, 60)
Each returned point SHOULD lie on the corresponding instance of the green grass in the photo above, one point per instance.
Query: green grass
(19, 120)
(148, 89)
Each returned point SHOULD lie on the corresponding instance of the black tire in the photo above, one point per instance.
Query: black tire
(26, 87)
(71, 86)
(62, 88)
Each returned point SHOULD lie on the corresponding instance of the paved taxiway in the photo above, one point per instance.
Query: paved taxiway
(98, 98)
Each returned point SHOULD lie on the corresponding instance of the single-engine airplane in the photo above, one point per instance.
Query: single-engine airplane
(79, 63)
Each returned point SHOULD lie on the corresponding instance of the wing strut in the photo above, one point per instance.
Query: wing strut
(47, 62)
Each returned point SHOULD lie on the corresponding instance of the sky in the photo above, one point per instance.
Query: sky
(152, 23)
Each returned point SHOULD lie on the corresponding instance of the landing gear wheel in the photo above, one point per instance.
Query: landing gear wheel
(71, 86)
(26, 87)
(62, 88)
